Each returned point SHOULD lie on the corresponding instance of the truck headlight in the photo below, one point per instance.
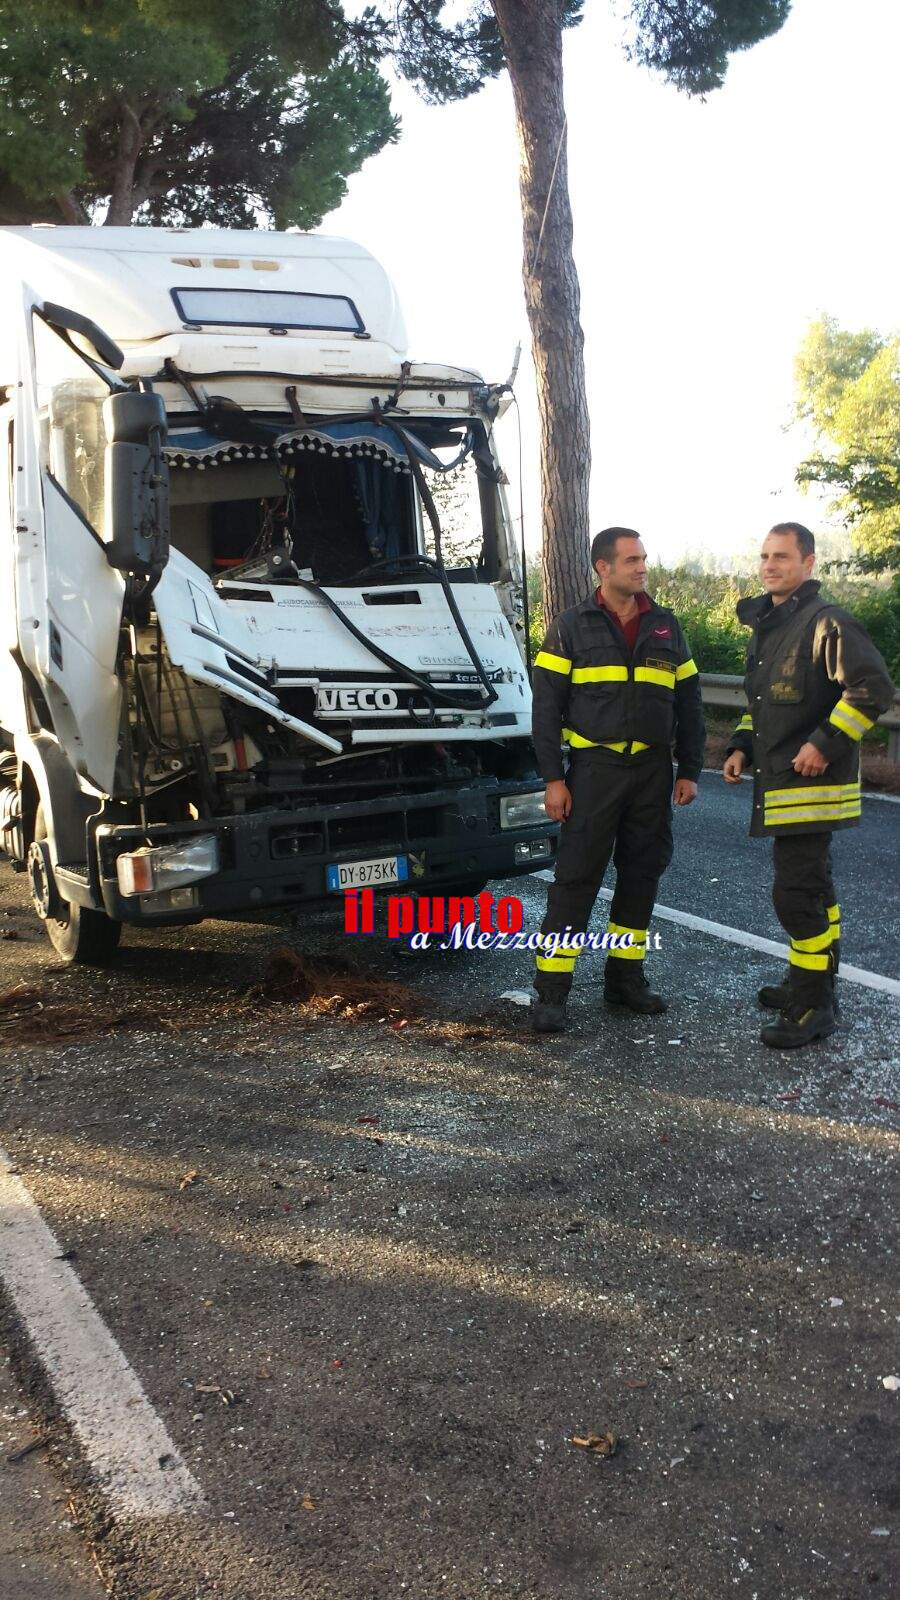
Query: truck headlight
(168, 866)
(523, 810)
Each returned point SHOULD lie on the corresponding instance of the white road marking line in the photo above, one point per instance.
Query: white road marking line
(753, 941)
(133, 1457)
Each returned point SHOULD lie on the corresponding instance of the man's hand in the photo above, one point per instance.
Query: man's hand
(685, 791)
(809, 761)
(557, 800)
(733, 766)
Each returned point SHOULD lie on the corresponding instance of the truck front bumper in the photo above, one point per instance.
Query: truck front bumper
(277, 858)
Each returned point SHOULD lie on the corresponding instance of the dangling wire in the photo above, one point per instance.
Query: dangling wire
(526, 608)
(537, 250)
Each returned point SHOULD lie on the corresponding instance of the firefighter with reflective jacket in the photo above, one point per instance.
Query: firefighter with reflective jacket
(815, 684)
(614, 683)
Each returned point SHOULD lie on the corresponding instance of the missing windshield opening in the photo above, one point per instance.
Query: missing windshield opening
(339, 517)
(345, 504)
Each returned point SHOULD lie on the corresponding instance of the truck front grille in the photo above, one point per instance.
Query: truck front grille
(389, 830)
(300, 839)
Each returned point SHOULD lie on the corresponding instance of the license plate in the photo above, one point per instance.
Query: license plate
(366, 874)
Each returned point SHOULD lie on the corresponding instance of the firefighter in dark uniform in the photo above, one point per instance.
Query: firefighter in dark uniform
(815, 684)
(614, 683)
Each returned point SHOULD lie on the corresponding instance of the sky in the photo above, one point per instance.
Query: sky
(707, 237)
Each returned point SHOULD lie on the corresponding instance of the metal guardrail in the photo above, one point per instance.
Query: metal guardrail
(720, 689)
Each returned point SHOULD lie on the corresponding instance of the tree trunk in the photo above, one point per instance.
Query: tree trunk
(532, 40)
(121, 200)
(72, 210)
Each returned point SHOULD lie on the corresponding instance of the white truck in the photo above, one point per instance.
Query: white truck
(241, 667)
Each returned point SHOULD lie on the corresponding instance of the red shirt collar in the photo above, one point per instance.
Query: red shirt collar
(644, 603)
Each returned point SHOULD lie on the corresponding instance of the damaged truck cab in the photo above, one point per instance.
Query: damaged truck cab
(260, 610)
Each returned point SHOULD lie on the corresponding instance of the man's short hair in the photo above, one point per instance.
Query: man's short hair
(805, 539)
(603, 547)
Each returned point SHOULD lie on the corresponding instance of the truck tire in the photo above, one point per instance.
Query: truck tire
(77, 933)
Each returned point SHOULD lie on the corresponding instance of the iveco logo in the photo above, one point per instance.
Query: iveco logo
(336, 700)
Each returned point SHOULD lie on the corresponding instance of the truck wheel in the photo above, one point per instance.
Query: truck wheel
(77, 933)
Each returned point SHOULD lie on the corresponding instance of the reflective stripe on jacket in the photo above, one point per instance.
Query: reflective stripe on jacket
(589, 691)
(813, 676)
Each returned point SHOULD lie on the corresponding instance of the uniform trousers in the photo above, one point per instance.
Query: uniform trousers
(805, 902)
(621, 807)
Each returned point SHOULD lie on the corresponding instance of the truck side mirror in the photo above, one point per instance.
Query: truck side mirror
(66, 321)
(137, 483)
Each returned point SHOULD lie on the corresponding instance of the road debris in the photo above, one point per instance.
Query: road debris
(29, 1012)
(332, 988)
(892, 1384)
(598, 1444)
(227, 1396)
(517, 997)
(27, 1450)
(521, 1218)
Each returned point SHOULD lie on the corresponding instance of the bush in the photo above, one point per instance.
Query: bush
(878, 608)
(704, 603)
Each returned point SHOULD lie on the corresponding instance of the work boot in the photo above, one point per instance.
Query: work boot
(775, 996)
(548, 1018)
(800, 1024)
(779, 996)
(628, 987)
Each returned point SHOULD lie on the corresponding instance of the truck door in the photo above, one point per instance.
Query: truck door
(69, 599)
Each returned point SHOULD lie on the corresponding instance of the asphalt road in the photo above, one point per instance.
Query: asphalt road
(41, 1556)
(722, 874)
(375, 1278)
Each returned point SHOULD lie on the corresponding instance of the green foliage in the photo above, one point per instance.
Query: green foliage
(232, 111)
(690, 41)
(848, 389)
(446, 61)
(537, 625)
(878, 609)
(264, 142)
(704, 603)
(247, 111)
